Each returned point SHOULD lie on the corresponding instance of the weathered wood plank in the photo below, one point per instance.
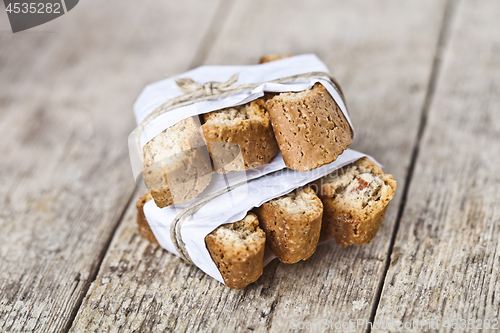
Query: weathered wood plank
(382, 52)
(67, 88)
(445, 263)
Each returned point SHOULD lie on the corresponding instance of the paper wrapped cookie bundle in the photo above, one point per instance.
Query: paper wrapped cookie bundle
(239, 157)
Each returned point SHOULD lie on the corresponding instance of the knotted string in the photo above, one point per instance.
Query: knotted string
(208, 89)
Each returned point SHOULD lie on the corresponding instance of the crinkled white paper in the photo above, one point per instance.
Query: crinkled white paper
(232, 206)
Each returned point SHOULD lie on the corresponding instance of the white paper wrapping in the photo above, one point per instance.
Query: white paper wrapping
(232, 206)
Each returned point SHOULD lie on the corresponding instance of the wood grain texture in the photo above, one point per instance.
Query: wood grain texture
(445, 263)
(66, 96)
(384, 74)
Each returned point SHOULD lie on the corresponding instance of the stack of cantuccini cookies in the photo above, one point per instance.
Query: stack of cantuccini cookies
(310, 130)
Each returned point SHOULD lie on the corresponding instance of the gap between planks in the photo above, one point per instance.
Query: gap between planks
(442, 44)
(205, 45)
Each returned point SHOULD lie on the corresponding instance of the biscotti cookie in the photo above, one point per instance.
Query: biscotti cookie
(176, 165)
(240, 138)
(355, 199)
(310, 128)
(273, 57)
(292, 224)
(142, 224)
(238, 251)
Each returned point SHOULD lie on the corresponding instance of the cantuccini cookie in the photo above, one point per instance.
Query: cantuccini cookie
(310, 128)
(238, 251)
(177, 165)
(240, 138)
(292, 224)
(142, 224)
(273, 57)
(355, 199)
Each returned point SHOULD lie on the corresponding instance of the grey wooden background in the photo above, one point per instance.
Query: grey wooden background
(422, 80)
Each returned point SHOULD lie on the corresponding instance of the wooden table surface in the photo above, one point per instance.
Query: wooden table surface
(422, 81)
